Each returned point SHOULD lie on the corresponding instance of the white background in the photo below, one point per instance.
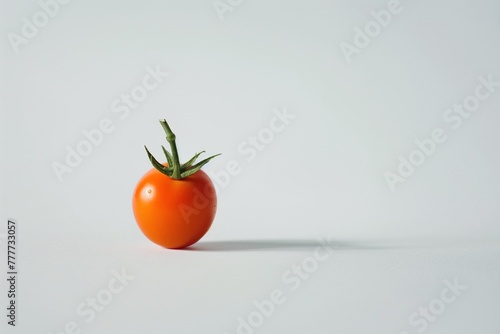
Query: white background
(322, 177)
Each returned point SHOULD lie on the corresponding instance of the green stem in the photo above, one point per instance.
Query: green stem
(171, 140)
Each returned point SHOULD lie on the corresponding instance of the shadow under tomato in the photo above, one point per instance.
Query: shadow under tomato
(289, 245)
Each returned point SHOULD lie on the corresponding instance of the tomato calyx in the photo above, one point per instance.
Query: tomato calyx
(175, 169)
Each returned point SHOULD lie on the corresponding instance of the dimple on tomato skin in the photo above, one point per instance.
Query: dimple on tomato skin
(174, 213)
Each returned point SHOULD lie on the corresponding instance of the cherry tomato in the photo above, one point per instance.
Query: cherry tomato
(174, 213)
(174, 205)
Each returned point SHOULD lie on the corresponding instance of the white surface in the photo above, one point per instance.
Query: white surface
(323, 175)
(364, 287)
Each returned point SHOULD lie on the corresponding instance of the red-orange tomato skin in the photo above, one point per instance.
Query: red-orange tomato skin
(174, 213)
